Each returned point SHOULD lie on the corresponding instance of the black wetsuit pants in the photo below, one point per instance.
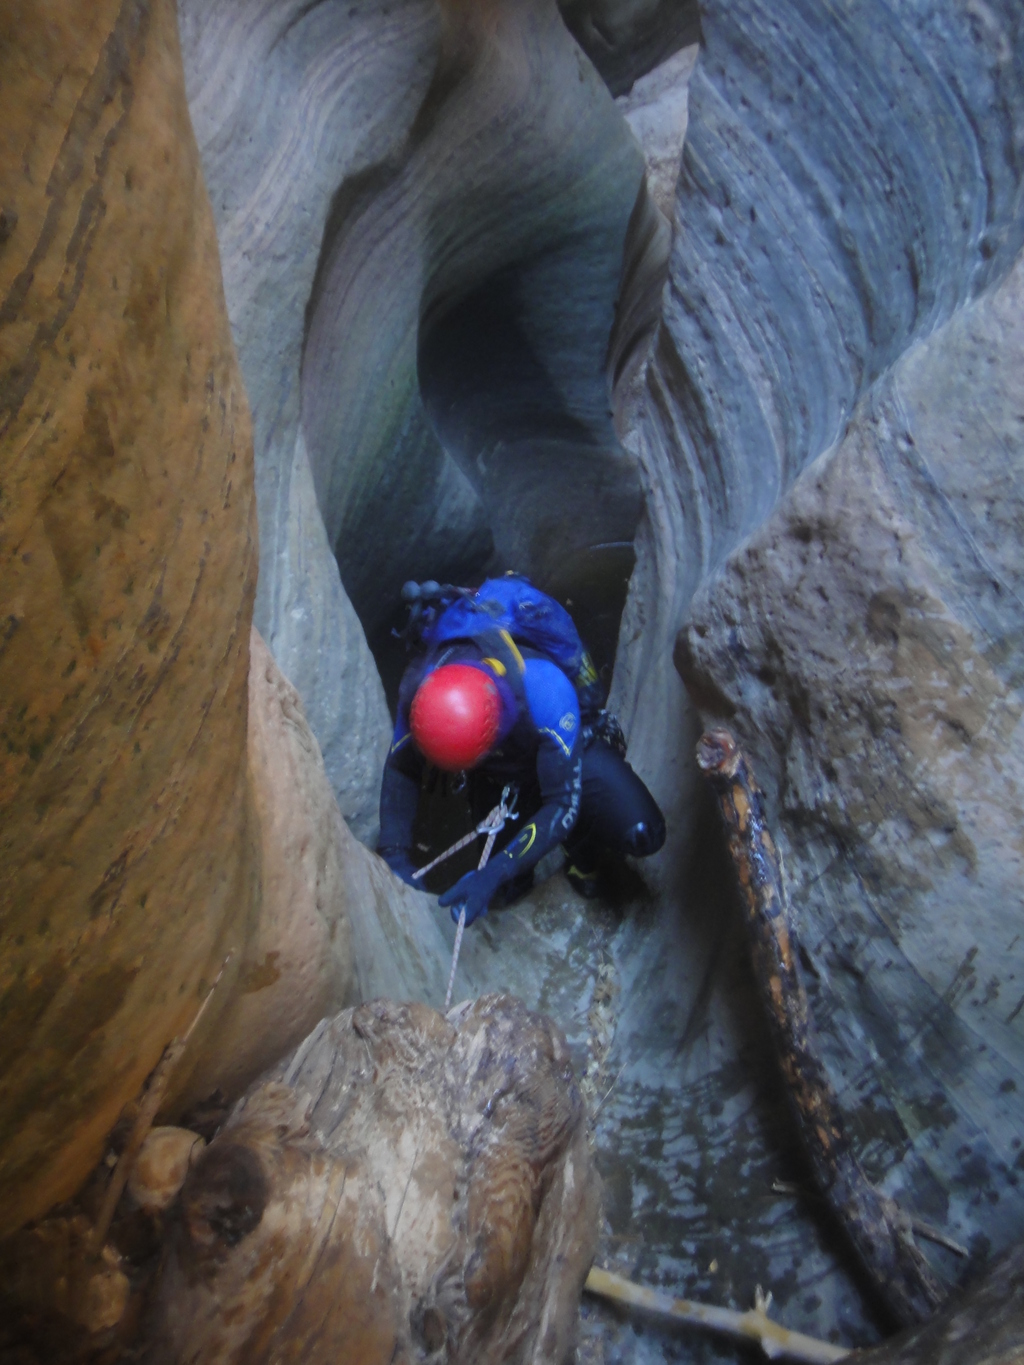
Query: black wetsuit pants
(618, 815)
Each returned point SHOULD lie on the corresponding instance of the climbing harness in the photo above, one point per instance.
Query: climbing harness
(491, 825)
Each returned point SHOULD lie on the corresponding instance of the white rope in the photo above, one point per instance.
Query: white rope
(442, 857)
(455, 959)
(492, 825)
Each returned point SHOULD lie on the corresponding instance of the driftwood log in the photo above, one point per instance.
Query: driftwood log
(880, 1234)
(407, 1187)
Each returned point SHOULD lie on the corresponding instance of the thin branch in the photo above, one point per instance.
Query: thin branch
(930, 1234)
(753, 1325)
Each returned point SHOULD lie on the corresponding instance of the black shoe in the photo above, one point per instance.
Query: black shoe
(585, 884)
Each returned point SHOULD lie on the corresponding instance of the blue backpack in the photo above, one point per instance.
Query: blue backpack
(514, 605)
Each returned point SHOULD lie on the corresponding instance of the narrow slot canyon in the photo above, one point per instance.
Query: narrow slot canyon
(708, 318)
(453, 368)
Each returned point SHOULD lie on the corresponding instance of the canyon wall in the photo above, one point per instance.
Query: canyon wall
(129, 563)
(421, 211)
(287, 101)
(850, 181)
(865, 647)
(819, 232)
(842, 290)
(438, 251)
(167, 825)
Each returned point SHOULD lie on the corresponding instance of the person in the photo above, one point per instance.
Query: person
(501, 688)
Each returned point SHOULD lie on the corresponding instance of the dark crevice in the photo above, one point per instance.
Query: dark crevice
(624, 49)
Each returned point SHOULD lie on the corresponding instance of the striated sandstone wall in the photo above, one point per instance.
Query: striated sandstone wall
(421, 211)
(473, 280)
(297, 965)
(846, 184)
(852, 178)
(522, 253)
(128, 544)
(288, 102)
(866, 645)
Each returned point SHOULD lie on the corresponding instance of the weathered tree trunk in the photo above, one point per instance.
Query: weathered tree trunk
(880, 1235)
(405, 1183)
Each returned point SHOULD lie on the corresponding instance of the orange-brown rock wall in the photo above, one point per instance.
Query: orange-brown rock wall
(127, 568)
(298, 965)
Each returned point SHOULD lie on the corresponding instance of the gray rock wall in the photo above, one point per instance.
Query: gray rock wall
(453, 380)
(851, 178)
(846, 184)
(421, 211)
(866, 644)
(287, 101)
(851, 181)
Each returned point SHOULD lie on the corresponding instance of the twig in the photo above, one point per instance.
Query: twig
(148, 1110)
(879, 1233)
(753, 1325)
(931, 1234)
(916, 1225)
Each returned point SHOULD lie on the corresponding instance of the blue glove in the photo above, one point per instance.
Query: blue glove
(473, 891)
(401, 865)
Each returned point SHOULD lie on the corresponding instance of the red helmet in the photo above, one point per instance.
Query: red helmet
(455, 715)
